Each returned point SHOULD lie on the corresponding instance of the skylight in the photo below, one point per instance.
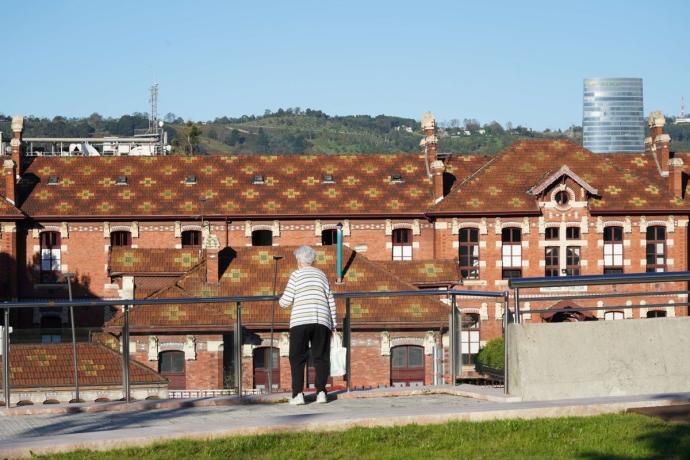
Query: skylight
(258, 179)
(190, 179)
(397, 178)
(328, 179)
(53, 180)
(121, 180)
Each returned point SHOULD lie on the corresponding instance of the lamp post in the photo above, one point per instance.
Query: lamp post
(69, 277)
(276, 259)
(339, 253)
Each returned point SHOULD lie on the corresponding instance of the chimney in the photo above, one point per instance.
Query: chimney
(430, 141)
(16, 142)
(437, 170)
(9, 170)
(675, 179)
(658, 142)
(212, 246)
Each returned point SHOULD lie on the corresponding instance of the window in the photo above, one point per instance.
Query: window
(572, 233)
(613, 315)
(613, 250)
(121, 238)
(191, 239)
(262, 238)
(552, 264)
(171, 362)
(562, 198)
(469, 338)
(572, 260)
(656, 314)
(407, 366)
(262, 356)
(329, 237)
(656, 249)
(511, 252)
(551, 233)
(469, 253)
(402, 244)
(50, 257)
(51, 327)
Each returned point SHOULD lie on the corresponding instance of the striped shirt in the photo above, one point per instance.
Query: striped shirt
(311, 298)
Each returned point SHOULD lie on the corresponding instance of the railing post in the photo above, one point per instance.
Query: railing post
(6, 358)
(125, 353)
(74, 342)
(516, 295)
(238, 348)
(453, 326)
(506, 305)
(458, 365)
(348, 349)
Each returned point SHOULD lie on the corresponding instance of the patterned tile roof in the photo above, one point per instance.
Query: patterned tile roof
(250, 272)
(626, 183)
(425, 272)
(169, 261)
(172, 185)
(51, 365)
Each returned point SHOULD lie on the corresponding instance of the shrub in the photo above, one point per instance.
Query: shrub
(491, 355)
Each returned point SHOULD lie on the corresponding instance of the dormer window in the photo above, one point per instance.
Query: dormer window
(561, 198)
(328, 179)
(190, 180)
(397, 179)
(258, 179)
(121, 180)
(53, 180)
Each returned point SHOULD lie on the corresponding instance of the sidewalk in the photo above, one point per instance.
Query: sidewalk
(49, 433)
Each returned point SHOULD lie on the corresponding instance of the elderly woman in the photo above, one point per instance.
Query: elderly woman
(312, 321)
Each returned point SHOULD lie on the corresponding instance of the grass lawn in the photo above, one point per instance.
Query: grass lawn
(602, 437)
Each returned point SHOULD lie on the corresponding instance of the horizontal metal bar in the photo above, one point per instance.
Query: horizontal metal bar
(88, 140)
(592, 280)
(259, 298)
(612, 307)
(601, 295)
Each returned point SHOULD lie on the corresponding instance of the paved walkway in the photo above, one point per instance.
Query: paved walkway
(21, 435)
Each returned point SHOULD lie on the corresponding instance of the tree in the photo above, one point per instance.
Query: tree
(233, 138)
(191, 134)
(262, 142)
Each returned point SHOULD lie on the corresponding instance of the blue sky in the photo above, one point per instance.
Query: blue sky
(522, 62)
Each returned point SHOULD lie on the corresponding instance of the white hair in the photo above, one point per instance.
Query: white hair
(305, 255)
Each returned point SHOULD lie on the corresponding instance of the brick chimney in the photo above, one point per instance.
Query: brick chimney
(212, 246)
(437, 170)
(16, 142)
(9, 171)
(430, 141)
(675, 179)
(658, 143)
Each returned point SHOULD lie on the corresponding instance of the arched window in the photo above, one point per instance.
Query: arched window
(261, 360)
(262, 238)
(121, 239)
(402, 244)
(191, 239)
(329, 237)
(50, 257)
(511, 252)
(613, 315)
(407, 366)
(656, 314)
(171, 365)
(656, 248)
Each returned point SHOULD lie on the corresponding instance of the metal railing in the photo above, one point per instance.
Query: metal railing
(454, 325)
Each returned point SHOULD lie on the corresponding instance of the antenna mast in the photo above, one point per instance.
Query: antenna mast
(153, 114)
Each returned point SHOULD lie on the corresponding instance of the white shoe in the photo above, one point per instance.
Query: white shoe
(298, 400)
(321, 397)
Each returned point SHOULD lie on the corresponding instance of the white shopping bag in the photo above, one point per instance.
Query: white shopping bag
(338, 356)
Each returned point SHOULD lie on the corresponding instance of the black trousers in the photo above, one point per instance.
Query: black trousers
(320, 338)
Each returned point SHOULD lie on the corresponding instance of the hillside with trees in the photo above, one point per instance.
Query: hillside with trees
(295, 131)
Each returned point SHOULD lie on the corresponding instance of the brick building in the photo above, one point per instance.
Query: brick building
(539, 208)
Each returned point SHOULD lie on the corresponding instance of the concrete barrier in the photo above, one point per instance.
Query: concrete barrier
(599, 358)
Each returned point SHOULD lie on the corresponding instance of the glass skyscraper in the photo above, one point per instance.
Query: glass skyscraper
(613, 116)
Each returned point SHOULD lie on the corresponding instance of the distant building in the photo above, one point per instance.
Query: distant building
(613, 116)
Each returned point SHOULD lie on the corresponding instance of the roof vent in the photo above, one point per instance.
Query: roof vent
(189, 180)
(258, 179)
(328, 179)
(397, 179)
(121, 180)
(53, 180)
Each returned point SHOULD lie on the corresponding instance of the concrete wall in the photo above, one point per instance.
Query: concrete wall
(599, 358)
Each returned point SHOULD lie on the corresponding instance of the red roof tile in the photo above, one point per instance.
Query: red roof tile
(425, 272)
(625, 183)
(135, 260)
(250, 272)
(51, 365)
